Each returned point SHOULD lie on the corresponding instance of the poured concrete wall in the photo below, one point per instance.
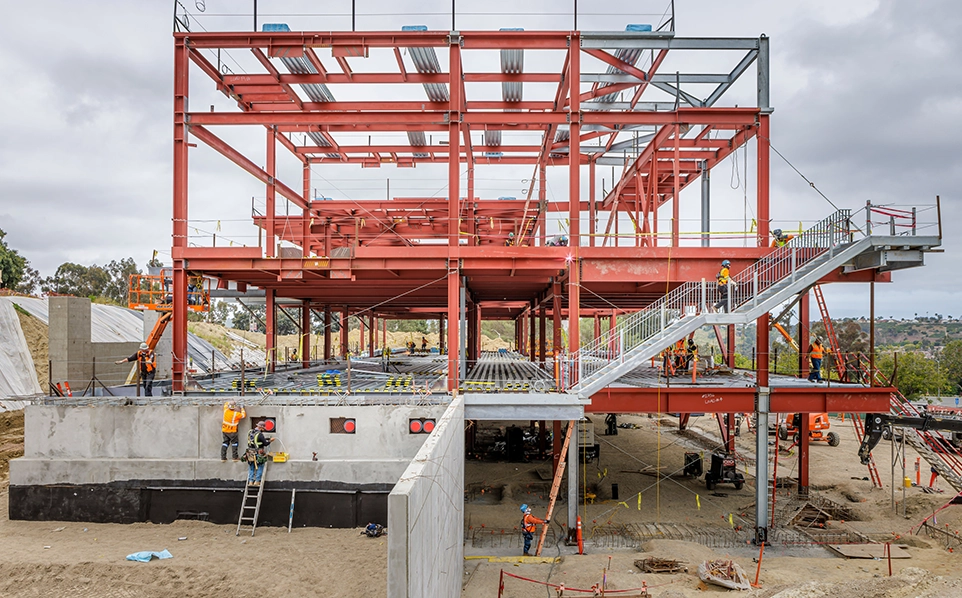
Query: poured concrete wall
(426, 516)
(98, 445)
(164, 351)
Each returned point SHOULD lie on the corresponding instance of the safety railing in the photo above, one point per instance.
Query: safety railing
(691, 299)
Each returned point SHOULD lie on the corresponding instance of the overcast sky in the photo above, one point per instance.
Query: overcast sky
(867, 97)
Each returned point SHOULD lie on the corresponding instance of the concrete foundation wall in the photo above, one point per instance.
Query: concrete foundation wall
(95, 445)
(73, 357)
(426, 516)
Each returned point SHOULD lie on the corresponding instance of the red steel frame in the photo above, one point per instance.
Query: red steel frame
(359, 255)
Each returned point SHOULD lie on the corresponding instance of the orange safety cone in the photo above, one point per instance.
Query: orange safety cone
(935, 474)
(580, 538)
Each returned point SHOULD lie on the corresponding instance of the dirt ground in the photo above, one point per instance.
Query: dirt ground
(794, 567)
(76, 559)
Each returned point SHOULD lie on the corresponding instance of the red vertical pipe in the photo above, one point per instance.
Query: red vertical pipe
(803, 335)
(306, 334)
(327, 332)
(477, 327)
(574, 197)
(344, 326)
(179, 233)
(763, 178)
(597, 327)
(271, 207)
(270, 320)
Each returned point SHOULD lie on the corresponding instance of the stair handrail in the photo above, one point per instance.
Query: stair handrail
(692, 298)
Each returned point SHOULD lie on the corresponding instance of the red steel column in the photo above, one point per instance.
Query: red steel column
(763, 177)
(730, 351)
(532, 338)
(327, 332)
(270, 321)
(305, 350)
(454, 194)
(441, 334)
(676, 189)
(574, 198)
(344, 326)
(542, 195)
(306, 225)
(556, 317)
(597, 327)
(370, 336)
(591, 203)
(271, 207)
(803, 335)
(179, 232)
(542, 333)
(477, 328)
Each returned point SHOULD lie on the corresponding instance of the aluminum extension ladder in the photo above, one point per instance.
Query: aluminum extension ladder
(251, 520)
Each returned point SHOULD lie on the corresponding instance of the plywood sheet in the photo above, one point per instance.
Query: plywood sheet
(869, 551)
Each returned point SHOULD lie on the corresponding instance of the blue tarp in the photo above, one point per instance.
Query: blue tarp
(145, 556)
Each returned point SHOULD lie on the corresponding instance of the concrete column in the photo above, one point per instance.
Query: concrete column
(761, 436)
(68, 335)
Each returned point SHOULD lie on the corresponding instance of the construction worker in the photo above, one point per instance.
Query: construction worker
(528, 523)
(691, 355)
(148, 366)
(780, 239)
(723, 278)
(424, 343)
(232, 416)
(816, 353)
(256, 455)
(510, 240)
(611, 425)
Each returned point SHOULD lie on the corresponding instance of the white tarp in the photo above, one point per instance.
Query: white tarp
(18, 378)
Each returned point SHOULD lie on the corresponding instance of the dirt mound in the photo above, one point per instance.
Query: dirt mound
(11, 440)
(36, 334)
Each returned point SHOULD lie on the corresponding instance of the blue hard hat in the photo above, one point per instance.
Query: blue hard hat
(726, 263)
(524, 508)
(777, 232)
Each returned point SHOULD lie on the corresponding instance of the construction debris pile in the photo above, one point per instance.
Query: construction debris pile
(725, 573)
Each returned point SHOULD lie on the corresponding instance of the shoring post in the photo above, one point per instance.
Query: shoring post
(868, 218)
(501, 584)
(913, 220)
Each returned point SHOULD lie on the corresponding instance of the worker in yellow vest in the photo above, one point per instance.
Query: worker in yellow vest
(232, 417)
(723, 278)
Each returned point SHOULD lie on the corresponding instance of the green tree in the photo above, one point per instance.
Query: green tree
(950, 360)
(12, 265)
(30, 283)
(106, 283)
(115, 288)
(915, 376)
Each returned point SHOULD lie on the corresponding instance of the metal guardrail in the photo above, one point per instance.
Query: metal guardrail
(615, 346)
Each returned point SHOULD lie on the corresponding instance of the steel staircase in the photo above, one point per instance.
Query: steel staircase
(770, 281)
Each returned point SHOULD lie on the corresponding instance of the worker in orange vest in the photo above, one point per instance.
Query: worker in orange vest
(148, 366)
(780, 239)
(232, 416)
(528, 523)
(816, 353)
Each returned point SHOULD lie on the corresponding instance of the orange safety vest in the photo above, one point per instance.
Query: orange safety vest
(816, 351)
(529, 521)
(231, 419)
(147, 361)
(722, 277)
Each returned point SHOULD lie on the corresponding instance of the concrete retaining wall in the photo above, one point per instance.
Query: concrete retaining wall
(73, 357)
(96, 445)
(426, 516)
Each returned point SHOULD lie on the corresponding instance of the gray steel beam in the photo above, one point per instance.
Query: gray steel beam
(764, 95)
(761, 466)
(657, 78)
(732, 77)
(619, 39)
